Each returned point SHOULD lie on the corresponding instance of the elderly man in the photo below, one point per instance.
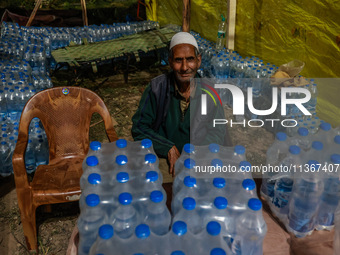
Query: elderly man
(164, 114)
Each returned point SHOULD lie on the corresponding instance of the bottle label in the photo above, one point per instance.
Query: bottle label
(221, 34)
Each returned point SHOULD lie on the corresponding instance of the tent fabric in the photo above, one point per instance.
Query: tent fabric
(277, 32)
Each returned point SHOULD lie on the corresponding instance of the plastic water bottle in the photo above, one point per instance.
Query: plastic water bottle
(30, 163)
(302, 206)
(316, 152)
(42, 153)
(220, 214)
(3, 105)
(89, 166)
(251, 230)
(5, 169)
(181, 174)
(302, 139)
(189, 215)
(180, 239)
(107, 241)
(125, 217)
(189, 189)
(275, 154)
(158, 216)
(220, 40)
(212, 239)
(336, 242)
(329, 199)
(89, 221)
(143, 240)
(324, 134)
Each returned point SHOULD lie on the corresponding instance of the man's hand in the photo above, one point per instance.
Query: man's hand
(173, 155)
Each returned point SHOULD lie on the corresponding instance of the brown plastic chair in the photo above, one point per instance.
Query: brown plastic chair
(65, 114)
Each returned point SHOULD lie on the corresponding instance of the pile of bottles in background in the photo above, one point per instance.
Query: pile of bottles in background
(17, 85)
(35, 44)
(25, 61)
(123, 204)
(305, 193)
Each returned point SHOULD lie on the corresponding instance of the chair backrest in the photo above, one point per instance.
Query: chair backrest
(65, 113)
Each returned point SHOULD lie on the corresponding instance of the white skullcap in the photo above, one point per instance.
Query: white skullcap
(183, 38)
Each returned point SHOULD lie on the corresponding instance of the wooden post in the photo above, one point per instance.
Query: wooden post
(230, 44)
(36, 7)
(186, 16)
(83, 8)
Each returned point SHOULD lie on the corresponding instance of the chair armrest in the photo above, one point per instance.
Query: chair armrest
(18, 160)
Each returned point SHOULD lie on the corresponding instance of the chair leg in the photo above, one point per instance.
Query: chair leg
(28, 220)
(30, 230)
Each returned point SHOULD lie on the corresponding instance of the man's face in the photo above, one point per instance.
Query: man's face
(184, 63)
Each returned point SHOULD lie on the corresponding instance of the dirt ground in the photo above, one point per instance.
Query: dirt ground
(122, 100)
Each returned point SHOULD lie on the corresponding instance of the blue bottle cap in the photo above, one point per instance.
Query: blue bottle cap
(217, 251)
(219, 182)
(92, 161)
(146, 143)
(213, 228)
(105, 231)
(245, 166)
(294, 149)
(214, 148)
(95, 146)
(151, 176)
(248, 184)
(94, 178)
(156, 196)
(325, 126)
(121, 143)
(335, 158)
(92, 200)
(29, 141)
(142, 231)
(217, 162)
(189, 181)
(189, 163)
(303, 131)
(189, 148)
(179, 228)
(254, 204)
(221, 203)
(125, 198)
(239, 149)
(281, 136)
(121, 160)
(3, 143)
(150, 158)
(316, 145)
(122, 177)
(177, 253)
(189, 203)
(337, 139)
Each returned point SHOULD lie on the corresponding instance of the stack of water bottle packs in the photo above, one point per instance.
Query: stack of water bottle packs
(123, 204)
(17, 86)
(302, 184)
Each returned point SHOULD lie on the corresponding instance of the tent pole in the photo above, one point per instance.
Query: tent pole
(186, 16)
(83, 8)
(231, 24)
(36, 7)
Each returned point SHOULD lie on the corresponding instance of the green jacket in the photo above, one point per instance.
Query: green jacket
(174, 129)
